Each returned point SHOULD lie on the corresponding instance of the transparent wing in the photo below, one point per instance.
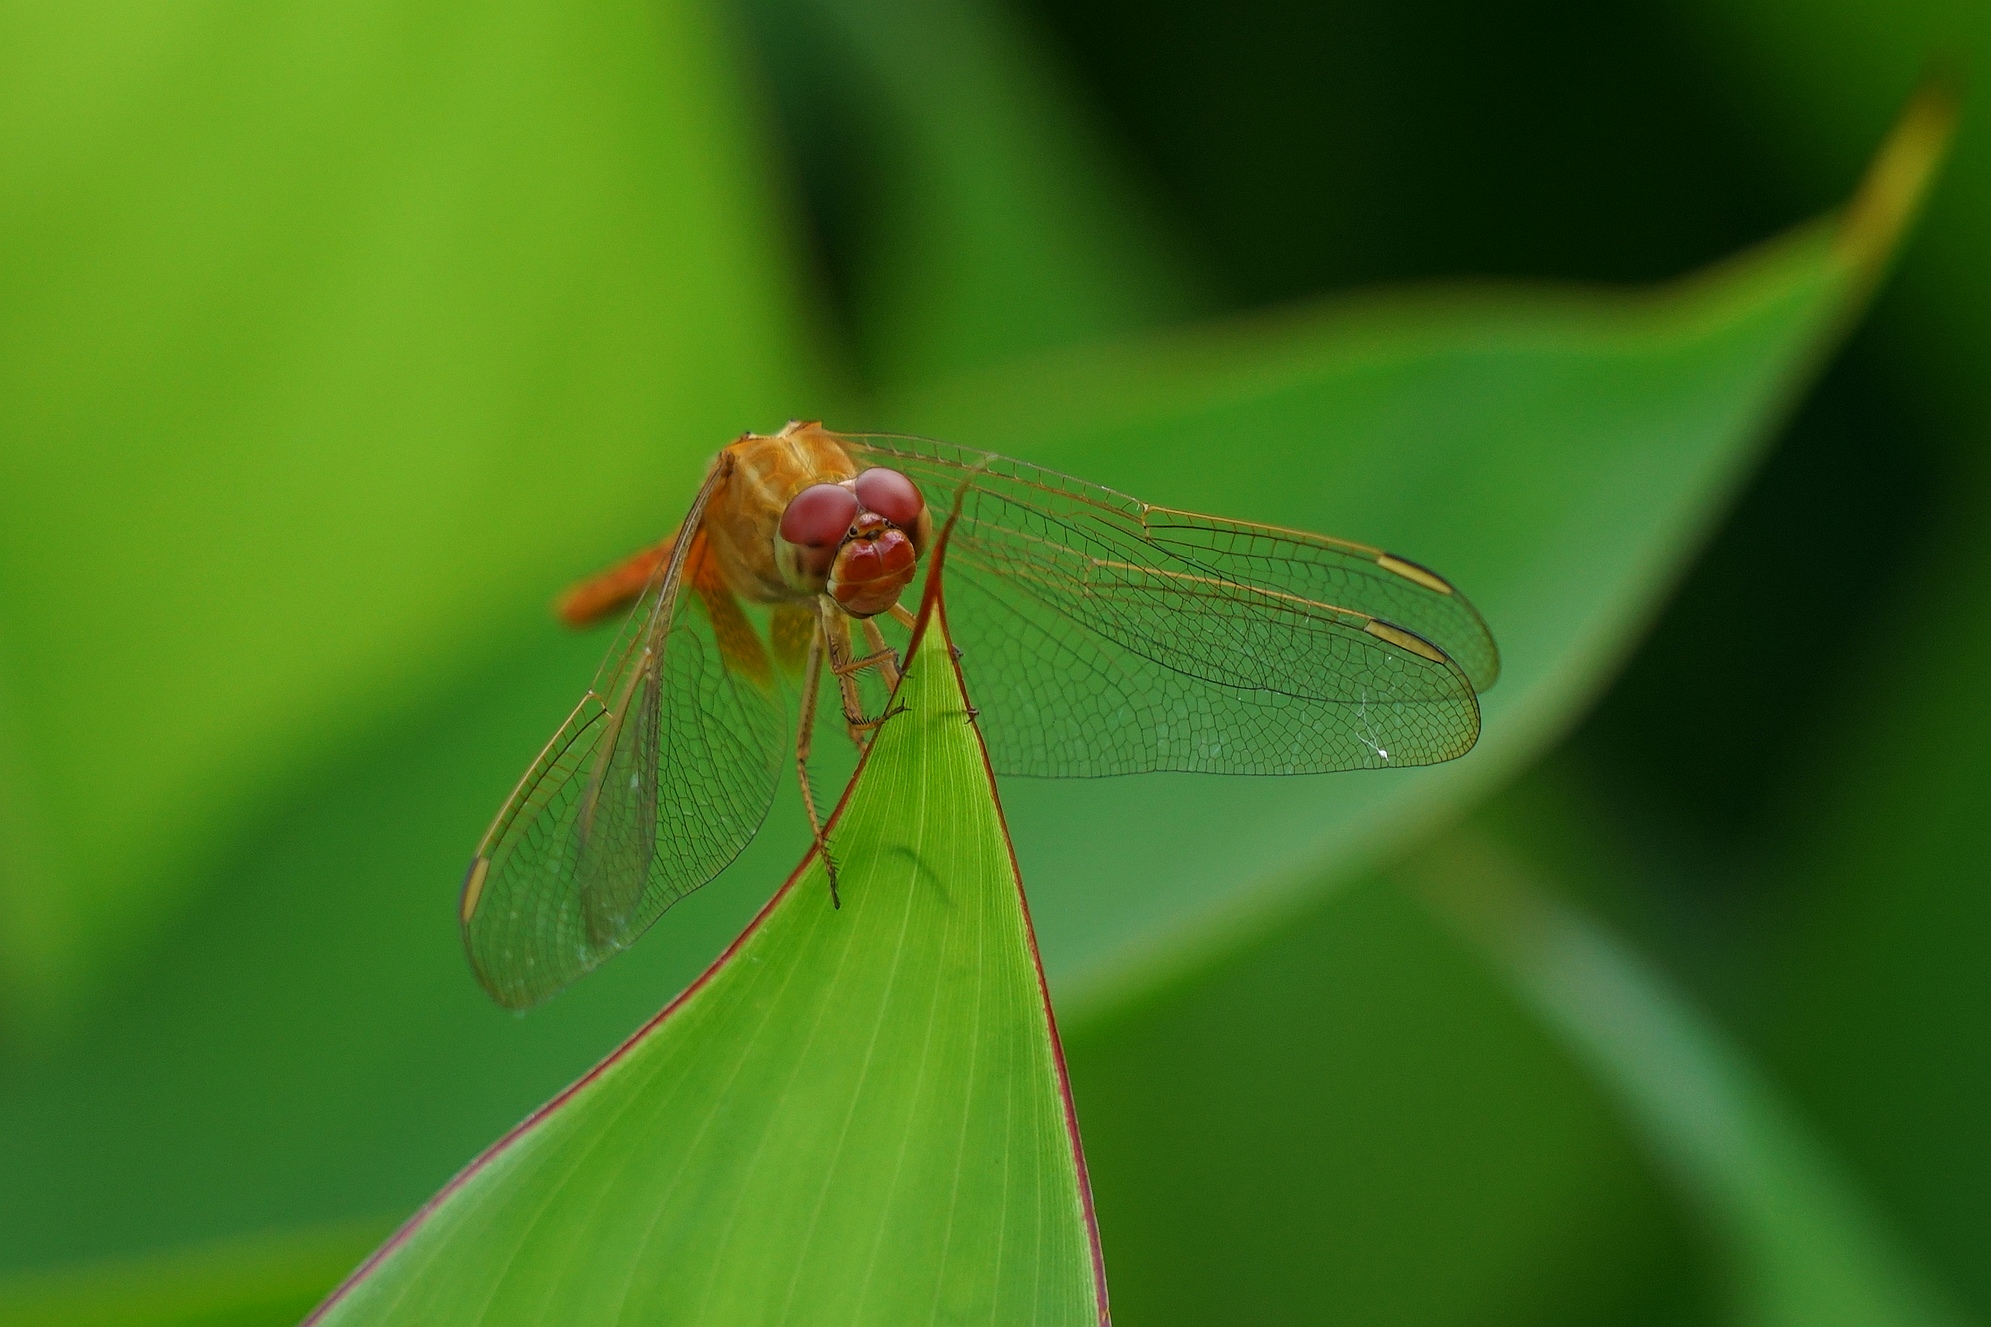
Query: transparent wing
(1101, 635)
(658, 779)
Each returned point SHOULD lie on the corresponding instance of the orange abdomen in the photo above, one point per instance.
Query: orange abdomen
(610, 592)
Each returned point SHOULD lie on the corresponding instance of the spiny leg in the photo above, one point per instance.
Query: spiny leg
(904, 616)
(844, 661)
(837, 632)
(804, 735)
(888, 658)
(836, 639)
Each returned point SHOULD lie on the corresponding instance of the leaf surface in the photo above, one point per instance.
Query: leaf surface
(857, 1115)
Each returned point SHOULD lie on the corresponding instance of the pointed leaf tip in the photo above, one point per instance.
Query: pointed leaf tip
(1899, 178)
(858, 1114)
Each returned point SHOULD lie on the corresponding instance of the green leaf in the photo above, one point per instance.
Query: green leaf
(264, 1281)
(1799, 1245)
(857, 1115)
(1558, 458)
(319, 331)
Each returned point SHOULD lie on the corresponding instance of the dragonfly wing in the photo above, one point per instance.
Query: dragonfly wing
(1103, 636)
(660, 777)
(1324, 570)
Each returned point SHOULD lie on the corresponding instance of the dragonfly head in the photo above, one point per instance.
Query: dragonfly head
(858, 541)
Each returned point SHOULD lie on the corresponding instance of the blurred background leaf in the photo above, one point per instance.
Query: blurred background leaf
(283, 291)
(966, 208)
(256, 1281)
(301, 308)
(1556, 454)
(1795, 1243)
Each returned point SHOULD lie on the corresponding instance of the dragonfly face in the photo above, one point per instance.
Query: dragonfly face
(858, 541)
(1097, 634)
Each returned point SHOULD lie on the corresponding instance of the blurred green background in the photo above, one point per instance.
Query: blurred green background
(335, 339)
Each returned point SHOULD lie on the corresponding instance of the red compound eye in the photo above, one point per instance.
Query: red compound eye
(819, 516)
(892, 496)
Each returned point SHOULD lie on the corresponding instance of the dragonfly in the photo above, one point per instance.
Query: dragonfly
(1098, 635)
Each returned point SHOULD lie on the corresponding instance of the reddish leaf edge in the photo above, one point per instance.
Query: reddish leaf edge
(932, 605)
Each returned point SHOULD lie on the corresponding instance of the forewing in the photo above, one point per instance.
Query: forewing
(659, 778)
(1319, 569)
(1103, 636)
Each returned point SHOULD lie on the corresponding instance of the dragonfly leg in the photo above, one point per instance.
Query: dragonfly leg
(887, 659)
(904, 616)
(889, 664)
(836, 639)
(805, 733)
